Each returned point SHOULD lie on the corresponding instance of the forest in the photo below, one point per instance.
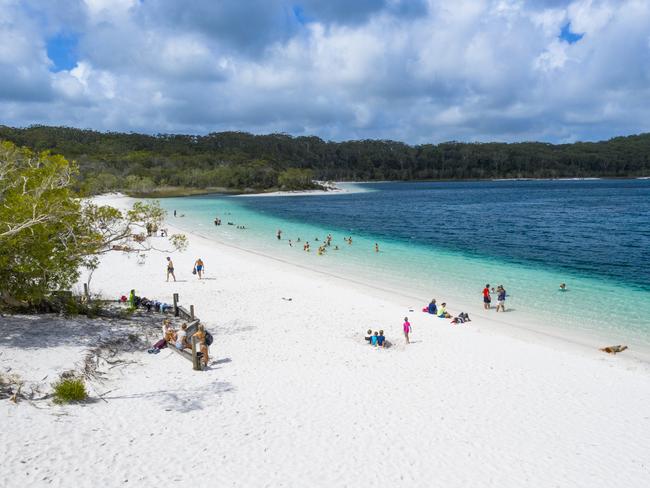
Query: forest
(146, 164)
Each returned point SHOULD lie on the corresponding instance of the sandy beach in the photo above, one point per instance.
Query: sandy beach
(295, 397)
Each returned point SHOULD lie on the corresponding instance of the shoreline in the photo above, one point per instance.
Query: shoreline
(521, 326)
(516, 324)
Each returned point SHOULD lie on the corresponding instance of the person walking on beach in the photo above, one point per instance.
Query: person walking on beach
(486, 297)
(199, 267)
(501, 298)
(407, 329)
(170, 268)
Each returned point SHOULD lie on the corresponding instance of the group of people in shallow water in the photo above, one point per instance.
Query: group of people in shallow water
(501, 297)
(322, 248)
(181, 341)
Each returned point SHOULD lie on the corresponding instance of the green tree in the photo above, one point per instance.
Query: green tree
(295, 179)
(47, 233)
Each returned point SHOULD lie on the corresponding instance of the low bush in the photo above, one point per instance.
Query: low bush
(68, 390)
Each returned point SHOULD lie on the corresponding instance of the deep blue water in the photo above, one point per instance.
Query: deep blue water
(595, 227)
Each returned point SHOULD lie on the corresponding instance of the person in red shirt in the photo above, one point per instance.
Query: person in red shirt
(486, 297)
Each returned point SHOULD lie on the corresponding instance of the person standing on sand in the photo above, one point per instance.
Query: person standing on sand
(486, 297)
(170, 268)
(407, 329)
(174, 213)
(279, 234)
(199, 267)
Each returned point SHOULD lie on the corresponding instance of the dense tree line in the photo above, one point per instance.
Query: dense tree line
(140, 163)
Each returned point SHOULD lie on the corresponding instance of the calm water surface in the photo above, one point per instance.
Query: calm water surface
(453, 237)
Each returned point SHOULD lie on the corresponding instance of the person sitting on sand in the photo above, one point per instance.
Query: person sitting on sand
(181, 339)
(368, 335)
(381, 339)
(373, 339)
(442, 312)
(162, 343)
(201, 334)
(433, 308)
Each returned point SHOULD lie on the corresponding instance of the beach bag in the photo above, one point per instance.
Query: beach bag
(194, 271)
(208, 338)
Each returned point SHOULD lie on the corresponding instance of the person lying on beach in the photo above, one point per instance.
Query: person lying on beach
(461, 319)
(433, 308)
(442, 312)
(381, 339)
(373, 339)
(368, 336)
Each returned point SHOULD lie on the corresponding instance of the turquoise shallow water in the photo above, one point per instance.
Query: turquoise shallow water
(608, 297)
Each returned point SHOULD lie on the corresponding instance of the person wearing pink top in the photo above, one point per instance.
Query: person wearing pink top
(407, 329)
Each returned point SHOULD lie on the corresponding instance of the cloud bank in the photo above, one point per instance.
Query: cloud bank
(417, 71)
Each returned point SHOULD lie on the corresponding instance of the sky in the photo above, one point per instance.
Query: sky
(419, 71)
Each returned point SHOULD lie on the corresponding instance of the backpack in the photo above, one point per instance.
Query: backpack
(208, 338)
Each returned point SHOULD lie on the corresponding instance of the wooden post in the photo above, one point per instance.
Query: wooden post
(175, 304)
(192, 312)
(196, 362)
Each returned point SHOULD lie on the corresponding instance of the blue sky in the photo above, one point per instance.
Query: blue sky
(411, 70)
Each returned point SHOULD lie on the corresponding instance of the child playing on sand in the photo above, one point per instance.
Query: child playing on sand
(381, 339)
(373, 339)
(368, 335)
(433, 308)
(407, 329)
(442, 312)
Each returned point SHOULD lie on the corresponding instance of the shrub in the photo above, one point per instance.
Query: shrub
(68, 390)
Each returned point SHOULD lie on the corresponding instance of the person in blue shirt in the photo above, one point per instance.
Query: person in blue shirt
(433, 308)
(373, 339)
(381, 339)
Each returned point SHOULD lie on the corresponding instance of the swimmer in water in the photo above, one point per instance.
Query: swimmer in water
(376, 247)
(562, 286)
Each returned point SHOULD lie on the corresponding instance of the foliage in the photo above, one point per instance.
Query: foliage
(69, 389)
(295, 179)
(137, 162)
(47, 233)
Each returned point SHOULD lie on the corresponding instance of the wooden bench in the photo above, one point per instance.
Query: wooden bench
(193, 356)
